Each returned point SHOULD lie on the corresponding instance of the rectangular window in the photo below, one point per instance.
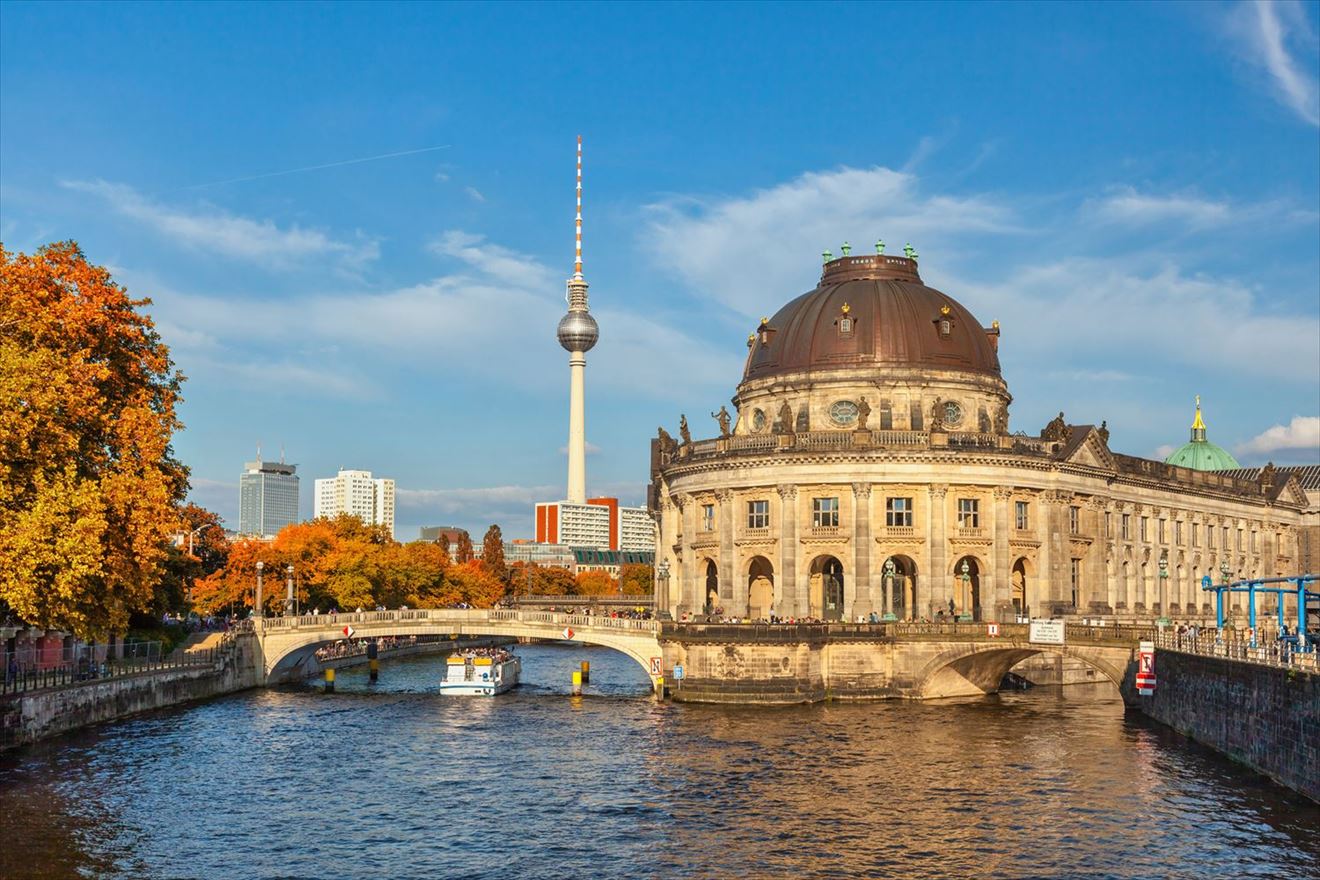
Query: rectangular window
(1255, 545)
(1161, 533)
(1196, 535)
(1145, 520)
(886, 416)
(1240, 538)
(1109, 524)
(1076, 581)
(708, 517)
(1177, 533)
(969, 513)
(898, 512)
(1210, 536)
(1127, 527)
(825, 513)
(1022, 515)
(758, 514)
(1227, 545)
(915, 415)
(1074, 520)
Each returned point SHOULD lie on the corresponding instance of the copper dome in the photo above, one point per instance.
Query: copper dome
(871, 310)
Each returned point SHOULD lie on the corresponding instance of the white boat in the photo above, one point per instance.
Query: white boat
(481, 676)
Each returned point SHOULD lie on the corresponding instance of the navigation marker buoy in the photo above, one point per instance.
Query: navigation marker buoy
(568, 633)
(348, 632)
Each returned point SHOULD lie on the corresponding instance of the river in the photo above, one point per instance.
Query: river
(393, 781)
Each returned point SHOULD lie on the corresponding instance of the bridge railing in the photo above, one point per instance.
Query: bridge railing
(1229, 645)
(453, 615)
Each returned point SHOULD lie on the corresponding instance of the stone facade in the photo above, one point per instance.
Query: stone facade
(875, 472)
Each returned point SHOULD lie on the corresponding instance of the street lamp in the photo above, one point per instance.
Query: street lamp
(889, 588)
(256, 611)
(966, 594)
(290, 601)
(1164, 577)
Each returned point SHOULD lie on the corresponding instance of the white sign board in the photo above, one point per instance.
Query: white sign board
(1046, 632)
(678, 673)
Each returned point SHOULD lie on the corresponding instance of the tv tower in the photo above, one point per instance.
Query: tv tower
(578, 333)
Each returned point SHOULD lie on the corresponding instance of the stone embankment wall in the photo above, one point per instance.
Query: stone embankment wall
(35, 715)
(1265, 717)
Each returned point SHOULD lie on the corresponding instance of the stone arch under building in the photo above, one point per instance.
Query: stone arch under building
(711, 582)
(966, 588)
(760, 588)
(899, 587)
(825, 590)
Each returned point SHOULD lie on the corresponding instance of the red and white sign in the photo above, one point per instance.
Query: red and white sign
(568, 632)
(1146, 669)
(348, 632)
(992, 629)
(655, 665)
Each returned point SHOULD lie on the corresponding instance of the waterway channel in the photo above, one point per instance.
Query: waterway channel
(394, 781)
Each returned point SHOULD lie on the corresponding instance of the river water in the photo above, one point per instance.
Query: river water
(394, 781)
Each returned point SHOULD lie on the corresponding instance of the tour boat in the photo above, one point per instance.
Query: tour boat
(480, 676)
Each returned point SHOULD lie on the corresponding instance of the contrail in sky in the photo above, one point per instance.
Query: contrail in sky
(318, 167)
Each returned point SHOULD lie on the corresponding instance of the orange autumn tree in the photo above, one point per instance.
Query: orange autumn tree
(596, 583)
(88, 481)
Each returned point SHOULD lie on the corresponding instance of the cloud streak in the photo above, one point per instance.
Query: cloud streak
(1271, 34)
(1301, 434)
(213, 230)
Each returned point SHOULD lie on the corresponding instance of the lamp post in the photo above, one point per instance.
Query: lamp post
(889, 590)
(290, 601)
(256, 611)
(966, 594)
(1164, 578)
(662, 600)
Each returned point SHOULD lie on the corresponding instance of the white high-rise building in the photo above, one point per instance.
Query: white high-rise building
(356, 493)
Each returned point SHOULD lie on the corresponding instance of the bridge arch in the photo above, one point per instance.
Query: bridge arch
(287, 644)
(977, 669)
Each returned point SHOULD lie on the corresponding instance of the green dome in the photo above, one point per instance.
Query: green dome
(1202, 455)
(1199, 453)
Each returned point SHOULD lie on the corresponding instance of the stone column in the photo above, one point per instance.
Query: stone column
(687, 592)
(790, 596)
(1001, 558)
(734, 588)
(864, 590)
(664, 540)
(938, 587)
(1041, 598)
(1094, 585)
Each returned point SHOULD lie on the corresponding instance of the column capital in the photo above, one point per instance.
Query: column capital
(1003, 493)
(723, 496)
(787, 491)
(861, 490)
(938, 490)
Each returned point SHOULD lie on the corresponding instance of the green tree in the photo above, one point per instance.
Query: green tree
(637, 579)
(88, 480)
(492, 554)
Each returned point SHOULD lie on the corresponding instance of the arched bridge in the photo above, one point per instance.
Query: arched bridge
(738, 662)
(288, 643)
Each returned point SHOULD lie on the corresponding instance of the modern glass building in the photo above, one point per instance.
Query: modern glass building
(267, 498)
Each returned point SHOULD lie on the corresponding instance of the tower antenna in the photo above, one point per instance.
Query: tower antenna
(577, 254)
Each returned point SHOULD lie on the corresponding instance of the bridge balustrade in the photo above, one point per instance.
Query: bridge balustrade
(451, 615)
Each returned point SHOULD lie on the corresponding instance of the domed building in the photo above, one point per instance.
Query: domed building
(1199, 453)
(870, 468)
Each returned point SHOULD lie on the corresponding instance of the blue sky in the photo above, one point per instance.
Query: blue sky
(1133, 191)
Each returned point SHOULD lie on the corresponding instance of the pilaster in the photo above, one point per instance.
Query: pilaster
(938, 586)
(791, 600)
(733, 591)
(1001, 561)
(864, 600)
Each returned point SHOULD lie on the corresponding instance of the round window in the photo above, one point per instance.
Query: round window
(843, 412)
(953, 414)
(758, 420)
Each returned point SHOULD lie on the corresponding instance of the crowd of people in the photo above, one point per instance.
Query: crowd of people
(639, 612)
(354, 647)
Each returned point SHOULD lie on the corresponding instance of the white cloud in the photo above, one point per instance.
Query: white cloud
(746, 250)
(1272, 34)
(1302, 433)
(1128, 206)
(208, 228)
(474, 194)
(1163, 452)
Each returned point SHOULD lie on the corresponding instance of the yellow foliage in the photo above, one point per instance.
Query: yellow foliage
(88, 483)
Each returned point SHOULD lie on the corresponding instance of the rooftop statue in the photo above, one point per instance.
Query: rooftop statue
(667, 444)
(683, 431)
(863, 413)
(1055, 430)
(1103, 431)
(937, 415)
(723, 418)
(785, 418)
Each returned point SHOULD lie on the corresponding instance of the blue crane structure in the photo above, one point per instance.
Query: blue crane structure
(1296, 586)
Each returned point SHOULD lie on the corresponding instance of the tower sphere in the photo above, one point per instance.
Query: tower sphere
(578, 331)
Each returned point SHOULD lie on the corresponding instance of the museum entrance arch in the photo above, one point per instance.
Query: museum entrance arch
(1019, 588)
(825, 598)
(899, 596)
(760, 588)
(967, 589)
(712, 599)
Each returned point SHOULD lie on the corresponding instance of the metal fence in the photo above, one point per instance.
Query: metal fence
(28, 671)
(1230, 645)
